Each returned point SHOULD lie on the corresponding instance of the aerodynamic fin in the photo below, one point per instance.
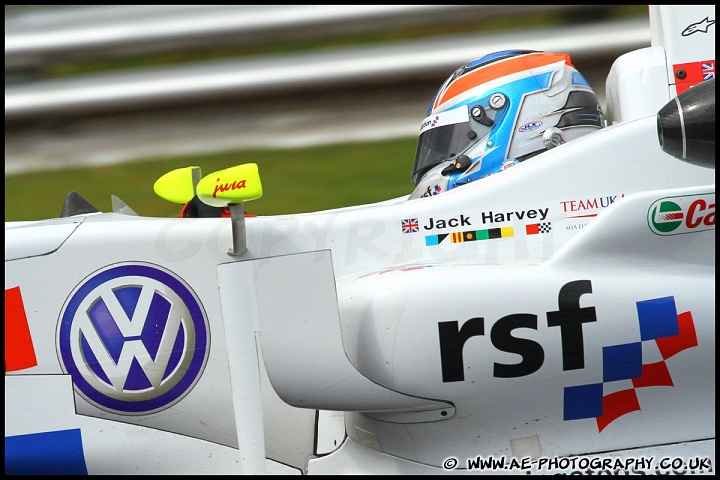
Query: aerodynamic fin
(118, 206)
(75, 204)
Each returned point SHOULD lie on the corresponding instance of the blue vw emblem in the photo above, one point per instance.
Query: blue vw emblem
(134, 338)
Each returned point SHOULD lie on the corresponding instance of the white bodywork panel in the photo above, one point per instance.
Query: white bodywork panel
(560, 309)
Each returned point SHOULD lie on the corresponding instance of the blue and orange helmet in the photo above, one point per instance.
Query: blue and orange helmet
(497, 111)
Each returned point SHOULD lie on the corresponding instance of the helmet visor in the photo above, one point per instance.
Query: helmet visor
(443, 136)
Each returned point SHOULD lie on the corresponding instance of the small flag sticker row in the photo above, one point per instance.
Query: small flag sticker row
(489, 234)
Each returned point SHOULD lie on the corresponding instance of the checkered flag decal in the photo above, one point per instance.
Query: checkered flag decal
(544, 227)
(538, 228)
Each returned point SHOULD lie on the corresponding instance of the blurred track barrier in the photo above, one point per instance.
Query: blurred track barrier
(381, 64)
(37, 36)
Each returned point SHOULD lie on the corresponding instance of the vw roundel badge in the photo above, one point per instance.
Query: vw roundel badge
(134, 337)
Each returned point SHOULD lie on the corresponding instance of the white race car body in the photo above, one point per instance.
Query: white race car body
(558, 316)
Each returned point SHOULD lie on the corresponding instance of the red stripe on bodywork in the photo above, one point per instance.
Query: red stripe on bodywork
(19, 349)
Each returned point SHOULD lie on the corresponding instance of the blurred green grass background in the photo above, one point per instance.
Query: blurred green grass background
(294, 180)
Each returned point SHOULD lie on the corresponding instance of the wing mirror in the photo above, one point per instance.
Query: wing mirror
(229, 187)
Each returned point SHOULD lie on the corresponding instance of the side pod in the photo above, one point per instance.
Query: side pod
(300, 326)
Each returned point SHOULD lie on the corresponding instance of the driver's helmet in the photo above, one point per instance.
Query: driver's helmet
(497, 111)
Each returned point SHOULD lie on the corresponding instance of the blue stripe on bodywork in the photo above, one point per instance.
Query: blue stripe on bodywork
(47, 453)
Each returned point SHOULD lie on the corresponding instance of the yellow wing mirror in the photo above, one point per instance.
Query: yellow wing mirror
(229, 187)
(178, 186)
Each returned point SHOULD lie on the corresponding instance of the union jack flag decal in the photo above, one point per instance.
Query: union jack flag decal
(410, 225)
(708, 70)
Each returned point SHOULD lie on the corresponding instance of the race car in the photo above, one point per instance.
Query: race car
(556, 317)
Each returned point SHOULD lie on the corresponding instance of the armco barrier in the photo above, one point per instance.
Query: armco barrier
(372, 65)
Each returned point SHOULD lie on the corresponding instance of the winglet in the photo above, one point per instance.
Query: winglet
(119, 206)
(75, 204)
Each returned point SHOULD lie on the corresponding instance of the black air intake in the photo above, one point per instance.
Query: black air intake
(686, 125)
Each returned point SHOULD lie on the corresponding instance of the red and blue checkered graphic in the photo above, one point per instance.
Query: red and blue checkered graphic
(659, 323)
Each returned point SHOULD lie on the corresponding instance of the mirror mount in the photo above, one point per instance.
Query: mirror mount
(239, 234)
(231, 187)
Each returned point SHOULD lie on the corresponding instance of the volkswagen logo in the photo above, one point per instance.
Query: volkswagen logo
(134, 337)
